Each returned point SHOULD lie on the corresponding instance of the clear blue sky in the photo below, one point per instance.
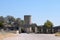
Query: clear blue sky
(41, 10)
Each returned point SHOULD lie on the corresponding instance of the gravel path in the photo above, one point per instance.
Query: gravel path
(25, 36)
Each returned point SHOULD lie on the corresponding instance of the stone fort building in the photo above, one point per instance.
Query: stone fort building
(29, 27)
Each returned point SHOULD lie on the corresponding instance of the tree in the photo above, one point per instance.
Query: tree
(17, 21)
(1, 22)
(48, 24)
(22, 22)
(1, 19)
(1, 25)
(10, 19)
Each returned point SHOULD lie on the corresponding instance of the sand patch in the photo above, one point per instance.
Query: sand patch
(5, 35)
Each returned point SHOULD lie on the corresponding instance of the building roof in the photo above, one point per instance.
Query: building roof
(56, 27)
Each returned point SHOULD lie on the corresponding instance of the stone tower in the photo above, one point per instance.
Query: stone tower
(27, 19)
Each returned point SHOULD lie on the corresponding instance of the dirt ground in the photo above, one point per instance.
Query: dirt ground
(5, 35)
(25, 36)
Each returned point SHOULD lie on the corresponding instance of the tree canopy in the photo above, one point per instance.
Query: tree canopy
(1, 25)
(48, 24)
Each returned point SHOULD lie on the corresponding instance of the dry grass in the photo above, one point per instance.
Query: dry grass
(5, 35)
(57, 34)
